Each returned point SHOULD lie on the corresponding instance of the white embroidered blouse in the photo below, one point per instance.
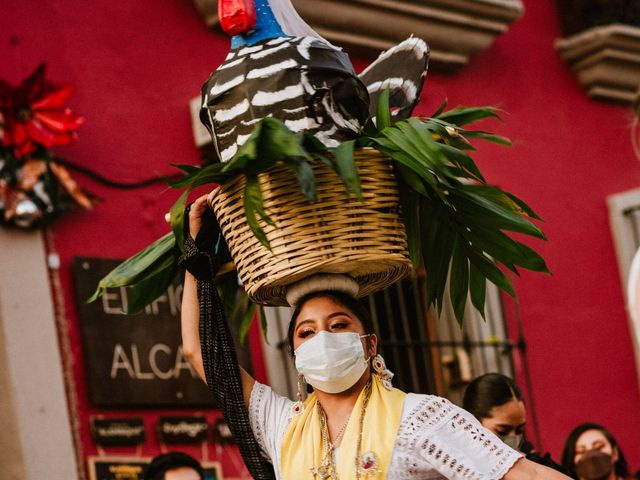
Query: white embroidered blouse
(436, 439)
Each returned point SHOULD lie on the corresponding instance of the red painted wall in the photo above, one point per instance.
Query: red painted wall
(137, 63)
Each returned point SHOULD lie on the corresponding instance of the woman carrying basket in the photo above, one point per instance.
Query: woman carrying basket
(354, 424)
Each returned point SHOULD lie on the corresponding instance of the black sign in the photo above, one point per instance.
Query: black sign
(137, 360)
(183, 430)
(117, 431)
(128, 468)
(134, 360)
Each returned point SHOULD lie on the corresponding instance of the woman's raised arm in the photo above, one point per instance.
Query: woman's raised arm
(190, 318)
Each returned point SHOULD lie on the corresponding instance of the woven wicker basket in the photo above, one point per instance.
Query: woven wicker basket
(335, 234)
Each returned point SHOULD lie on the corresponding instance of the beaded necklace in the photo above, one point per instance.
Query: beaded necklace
(363, 462)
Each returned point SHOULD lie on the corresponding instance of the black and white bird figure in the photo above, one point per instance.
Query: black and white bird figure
(282, 68)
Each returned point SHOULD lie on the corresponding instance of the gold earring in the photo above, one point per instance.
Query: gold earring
(380, 368)
(298, 407)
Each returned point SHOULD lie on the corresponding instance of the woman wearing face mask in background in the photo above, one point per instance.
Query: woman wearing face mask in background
(354, 425)
(591, 452)
(497, 402)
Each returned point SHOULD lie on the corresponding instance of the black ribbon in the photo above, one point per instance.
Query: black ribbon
(218, 352)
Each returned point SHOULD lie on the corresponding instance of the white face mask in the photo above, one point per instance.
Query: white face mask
(331, 362)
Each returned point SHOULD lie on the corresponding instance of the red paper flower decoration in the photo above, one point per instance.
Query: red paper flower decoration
(34, 114)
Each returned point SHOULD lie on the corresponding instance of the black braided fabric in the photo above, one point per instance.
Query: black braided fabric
(218, 351)
(199, 254)
(223, 378)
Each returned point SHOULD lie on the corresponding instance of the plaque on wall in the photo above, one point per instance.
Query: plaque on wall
(183, 429)
(135, 360)
(133, 468)
(118, 431)
(120, 468)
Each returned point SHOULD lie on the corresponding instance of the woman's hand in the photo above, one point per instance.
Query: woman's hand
(195, 215)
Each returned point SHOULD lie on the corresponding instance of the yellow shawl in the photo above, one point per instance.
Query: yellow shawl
(302, 447)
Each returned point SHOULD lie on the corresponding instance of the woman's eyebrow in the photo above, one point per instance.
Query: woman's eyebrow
(338, 314)
(303, 322)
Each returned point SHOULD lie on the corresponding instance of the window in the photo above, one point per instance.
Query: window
(624, 218)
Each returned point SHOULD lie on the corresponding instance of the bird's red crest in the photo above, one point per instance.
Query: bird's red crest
(237, 16)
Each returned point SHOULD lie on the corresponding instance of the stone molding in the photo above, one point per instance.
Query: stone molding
(606, 60)
(456, 30)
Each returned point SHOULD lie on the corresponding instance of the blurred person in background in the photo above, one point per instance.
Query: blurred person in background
(497, 402)
(591, 452)
(174, 466)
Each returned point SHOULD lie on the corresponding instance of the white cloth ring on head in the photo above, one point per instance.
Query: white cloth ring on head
(321, 282)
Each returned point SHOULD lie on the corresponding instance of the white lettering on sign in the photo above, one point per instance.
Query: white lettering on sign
(120, 361)
(172, 298)
(140, 375)
(184, 428)
(116, 301)
(127, 362)
(159, 347)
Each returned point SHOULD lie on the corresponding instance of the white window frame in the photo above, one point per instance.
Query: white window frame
(625, 248)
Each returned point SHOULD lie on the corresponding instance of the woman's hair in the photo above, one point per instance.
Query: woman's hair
(342, 299)
(569, 452)
(489, 391)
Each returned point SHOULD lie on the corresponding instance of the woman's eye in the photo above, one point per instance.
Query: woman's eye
(338, 326)
(305, 333)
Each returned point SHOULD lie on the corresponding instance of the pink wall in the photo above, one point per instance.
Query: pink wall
(137, 63)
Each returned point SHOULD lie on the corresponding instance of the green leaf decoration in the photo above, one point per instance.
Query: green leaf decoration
(200, 176)
(410, 205)
(462, 160)
(305, 176)
(245, 321)
(494, 207)
(477, 289)
(383, 113)
(149, 289)
(176, 219)
(254, 209)
(457, 224)
(459, 281)
(187, 169)
(346, 168)
(441, 108)
(263, 324)
(490, 271)
(465, 115)
(438, 241)
(138, 267)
